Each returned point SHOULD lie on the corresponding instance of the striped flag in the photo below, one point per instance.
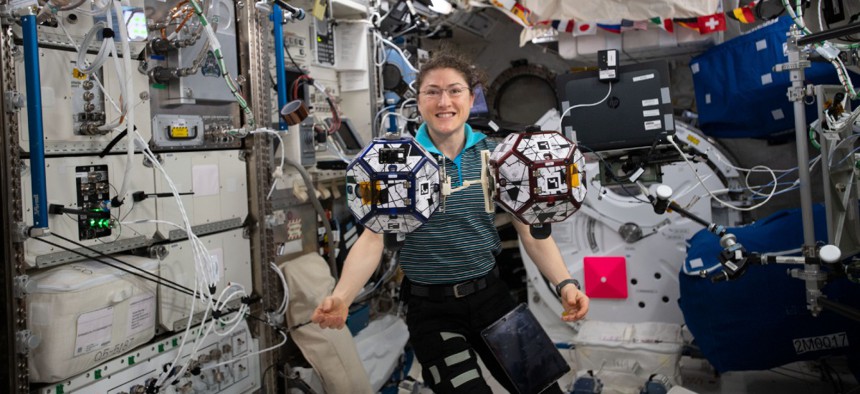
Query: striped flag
(665, 24)
(522, 12)
(627, 25)
(690, 23)
(743, 14)
(612, 28)
(566, 26)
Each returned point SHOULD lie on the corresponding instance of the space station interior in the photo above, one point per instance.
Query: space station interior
(193, 188)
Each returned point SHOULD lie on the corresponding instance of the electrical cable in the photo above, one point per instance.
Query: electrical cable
(398, 50)
(201, 256)
(337, 151)
(284, 335)
(717, 199)
(298, 68)
(283, 307)
(92, 76)
(279, 171)
(332, 246)
(169, 284)
(611, 173)
(797, 18)
(112, 143)
(836, 147)
(216, 50)
(563, 114)
(126, 88)
(155, 278)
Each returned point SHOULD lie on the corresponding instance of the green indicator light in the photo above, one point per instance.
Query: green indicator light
(59, 389)
(92, 222)
(175, 342)
(160, 347)
(98, 374)
(130, 360)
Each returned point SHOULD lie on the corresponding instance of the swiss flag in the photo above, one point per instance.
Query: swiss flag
(712, 23)
(585, 29)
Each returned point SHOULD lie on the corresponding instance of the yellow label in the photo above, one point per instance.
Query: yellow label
(179, 132)
(692, 139)
(319, 9)
(574, 175)
(77, 74)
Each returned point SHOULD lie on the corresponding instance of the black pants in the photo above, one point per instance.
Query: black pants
(446, 335)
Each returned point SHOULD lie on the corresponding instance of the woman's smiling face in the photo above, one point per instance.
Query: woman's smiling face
(444, 101)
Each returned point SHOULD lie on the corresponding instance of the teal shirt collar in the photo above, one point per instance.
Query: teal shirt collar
(423, 138)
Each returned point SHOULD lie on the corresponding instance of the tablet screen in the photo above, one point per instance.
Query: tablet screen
(525, 351)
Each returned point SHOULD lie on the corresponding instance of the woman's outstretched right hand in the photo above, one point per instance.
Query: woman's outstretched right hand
(331, 313)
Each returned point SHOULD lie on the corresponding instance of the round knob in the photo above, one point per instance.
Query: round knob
(663, 192)
(829, 253)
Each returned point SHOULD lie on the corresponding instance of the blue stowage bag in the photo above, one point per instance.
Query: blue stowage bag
(738, 95)
(760, 320)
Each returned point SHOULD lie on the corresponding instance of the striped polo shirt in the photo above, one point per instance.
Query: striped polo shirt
(457, 244)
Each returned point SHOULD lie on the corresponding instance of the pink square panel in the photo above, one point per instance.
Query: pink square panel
(605, 276)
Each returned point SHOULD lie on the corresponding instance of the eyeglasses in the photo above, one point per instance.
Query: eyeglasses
(436, 93)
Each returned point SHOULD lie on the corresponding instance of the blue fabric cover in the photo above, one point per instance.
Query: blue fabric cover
(738, 95)
(758, 321)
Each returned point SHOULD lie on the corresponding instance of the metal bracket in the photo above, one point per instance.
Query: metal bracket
(148, 164)
(158, 252)
(14, 101)
(800, 64)
(814, 279)
(25, 341)
(19, 232)
(808, 274)
(23, 286)
(36, 232)
(6, 11)
(278, 218)
(798, 93)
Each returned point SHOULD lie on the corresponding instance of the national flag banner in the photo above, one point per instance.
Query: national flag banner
(743, 14)
(690, 23)
(584, 29)
(612, 28)
(665, 24)
(712, 23)
(506, 4)
(568, 26)
(522, 12)
(627, 25)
